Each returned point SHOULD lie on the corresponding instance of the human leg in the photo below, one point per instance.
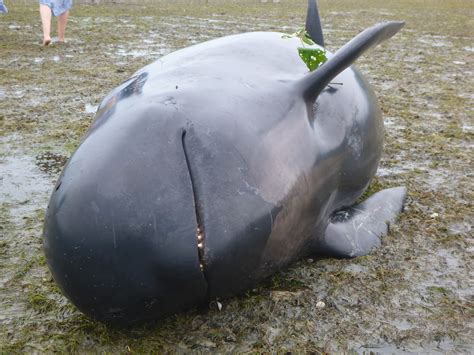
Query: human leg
(45, 13)
(62, 22)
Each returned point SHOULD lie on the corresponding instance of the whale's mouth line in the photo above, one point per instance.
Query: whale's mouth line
(200, 235)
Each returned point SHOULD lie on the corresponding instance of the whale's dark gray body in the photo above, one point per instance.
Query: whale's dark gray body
(212, 168)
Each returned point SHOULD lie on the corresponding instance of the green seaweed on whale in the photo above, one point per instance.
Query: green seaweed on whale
(312, 57)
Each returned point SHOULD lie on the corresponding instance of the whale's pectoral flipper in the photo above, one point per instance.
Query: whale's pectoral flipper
(313, 23)
(312, 84)
(356, 230)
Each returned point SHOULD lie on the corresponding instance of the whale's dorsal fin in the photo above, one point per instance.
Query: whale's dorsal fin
(312, 84)
(313, 23)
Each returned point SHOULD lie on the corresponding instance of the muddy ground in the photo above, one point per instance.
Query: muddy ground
(415, 293)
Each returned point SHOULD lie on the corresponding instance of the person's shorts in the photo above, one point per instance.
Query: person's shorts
(58, 7)
(3, 8)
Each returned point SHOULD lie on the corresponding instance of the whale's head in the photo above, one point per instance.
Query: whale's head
(121, 236)
(154, 213)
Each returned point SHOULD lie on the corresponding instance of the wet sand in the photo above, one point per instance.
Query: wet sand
(414, 294)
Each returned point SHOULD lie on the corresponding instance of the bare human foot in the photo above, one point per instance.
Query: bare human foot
(62, 22)
(46, 14)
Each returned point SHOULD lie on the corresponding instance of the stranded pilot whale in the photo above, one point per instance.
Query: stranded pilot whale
(214, 167)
